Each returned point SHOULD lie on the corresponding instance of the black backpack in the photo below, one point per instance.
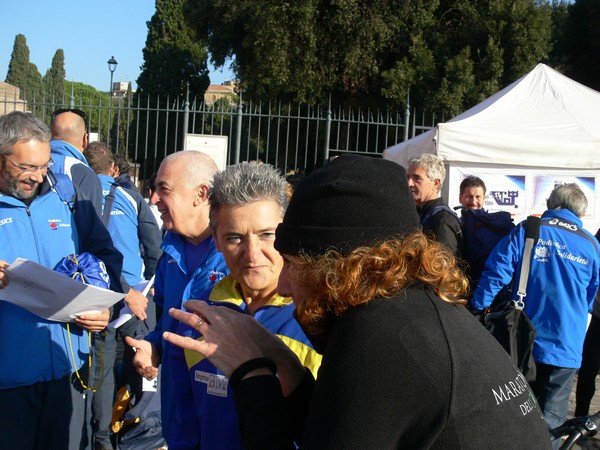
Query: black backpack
(482, 230)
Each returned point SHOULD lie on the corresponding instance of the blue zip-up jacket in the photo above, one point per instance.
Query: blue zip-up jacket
(562, 284)
(134, 232)
(70, 161)
(205, 413)
(173, 286)
(33, 349)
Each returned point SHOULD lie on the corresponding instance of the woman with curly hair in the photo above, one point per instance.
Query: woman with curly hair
(405, 365)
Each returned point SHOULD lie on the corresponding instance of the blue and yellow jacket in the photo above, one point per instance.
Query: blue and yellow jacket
(205, 414)
(173, 286)
(32, 349)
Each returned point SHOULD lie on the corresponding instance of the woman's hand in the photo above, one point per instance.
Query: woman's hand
(232, 338)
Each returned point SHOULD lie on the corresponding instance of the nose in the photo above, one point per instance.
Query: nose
(38, 175)
(253, 248)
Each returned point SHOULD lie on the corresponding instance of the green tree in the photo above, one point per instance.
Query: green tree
(54, 80)
(22, 73)
(447, 53)
(582, 42)
(175, 60)
(173, 56)
(559, 55)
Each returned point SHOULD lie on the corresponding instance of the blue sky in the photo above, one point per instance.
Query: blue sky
(89, 32)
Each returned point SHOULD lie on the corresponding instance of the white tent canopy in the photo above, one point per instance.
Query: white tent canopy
(544, 119)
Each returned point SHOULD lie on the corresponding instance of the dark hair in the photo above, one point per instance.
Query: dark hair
(99, 157)
(122, 163)
(151, 184)
(471, 182)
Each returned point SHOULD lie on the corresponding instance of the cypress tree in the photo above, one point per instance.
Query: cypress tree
(173, 56)
(54, 80)
(22, 73)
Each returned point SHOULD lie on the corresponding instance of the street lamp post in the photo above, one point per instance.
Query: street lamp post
(112, 66)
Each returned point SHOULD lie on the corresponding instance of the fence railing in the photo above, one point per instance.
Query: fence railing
(294, 138)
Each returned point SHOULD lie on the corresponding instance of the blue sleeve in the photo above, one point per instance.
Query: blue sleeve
(95, 239)
(500, 268)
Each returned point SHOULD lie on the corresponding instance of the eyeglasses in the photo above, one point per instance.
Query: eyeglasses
(28, 170)
(79, 112)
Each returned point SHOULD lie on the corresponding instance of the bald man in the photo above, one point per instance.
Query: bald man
(69, 138)
(190, 264)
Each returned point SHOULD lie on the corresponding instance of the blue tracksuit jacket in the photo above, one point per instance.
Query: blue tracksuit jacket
(70, 161)
(562, 284)
(173, 286)
(33, 349)
(134, 232)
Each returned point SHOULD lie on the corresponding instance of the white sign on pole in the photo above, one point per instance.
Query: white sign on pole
(213, 146)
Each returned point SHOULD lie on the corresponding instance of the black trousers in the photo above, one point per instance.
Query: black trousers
(36, 417)
(590, 365)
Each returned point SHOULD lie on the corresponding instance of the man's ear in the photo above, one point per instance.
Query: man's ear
(113, 171)
(86, 140)
(438, 184)
(201, 194)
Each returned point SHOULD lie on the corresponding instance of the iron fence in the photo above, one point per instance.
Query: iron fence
(294, 138)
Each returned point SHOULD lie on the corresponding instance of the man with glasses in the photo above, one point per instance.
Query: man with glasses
(69, 138)
(44, 400)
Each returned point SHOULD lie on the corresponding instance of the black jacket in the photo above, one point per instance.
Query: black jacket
(444, 225)
(409, 372)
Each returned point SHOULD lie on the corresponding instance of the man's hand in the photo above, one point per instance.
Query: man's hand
(146, 358)
(94, 322)
(138, 303)
(3, 276)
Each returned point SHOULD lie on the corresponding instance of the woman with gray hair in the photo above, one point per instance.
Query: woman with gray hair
(247, 202)
(405, 365)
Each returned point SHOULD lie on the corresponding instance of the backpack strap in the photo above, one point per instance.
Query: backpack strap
(433, 211)
(110, 198)
(63, 186)
(532, 234)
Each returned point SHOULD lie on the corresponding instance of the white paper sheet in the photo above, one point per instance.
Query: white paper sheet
(125, 314)
(51, 295)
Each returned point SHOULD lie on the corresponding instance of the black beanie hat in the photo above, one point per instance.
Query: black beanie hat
(351, 202)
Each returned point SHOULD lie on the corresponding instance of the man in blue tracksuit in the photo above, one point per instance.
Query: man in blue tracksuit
(562, 284)
(69, 138)
(136, 235)
(38, 357)
(190, 258)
